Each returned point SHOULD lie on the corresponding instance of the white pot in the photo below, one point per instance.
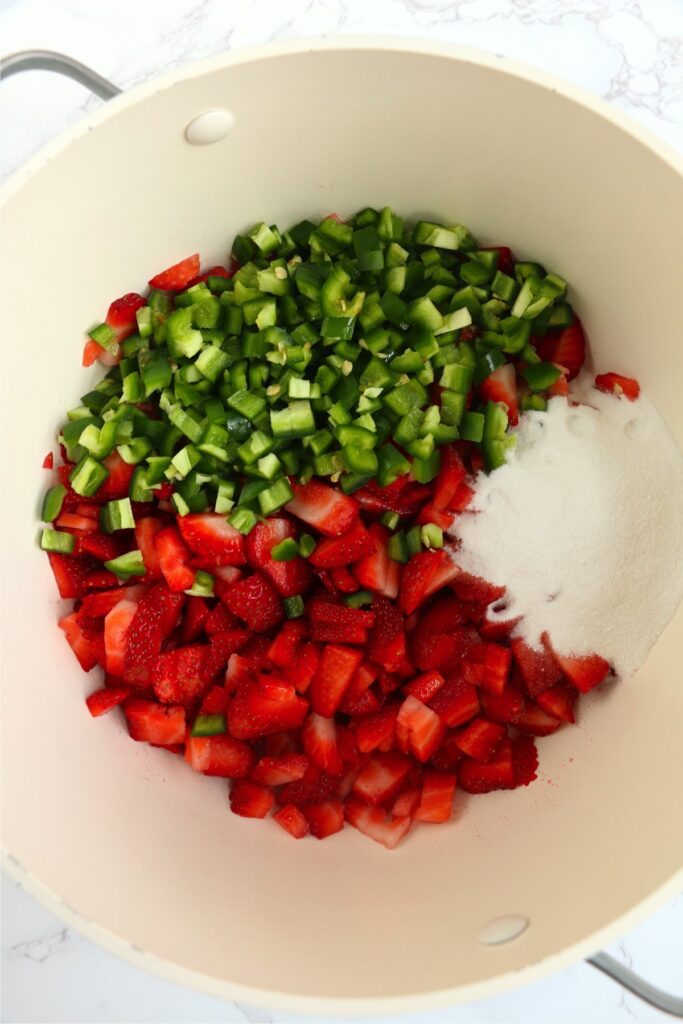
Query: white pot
(121, 839)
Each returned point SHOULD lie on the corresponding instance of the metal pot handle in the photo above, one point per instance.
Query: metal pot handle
(47, 60)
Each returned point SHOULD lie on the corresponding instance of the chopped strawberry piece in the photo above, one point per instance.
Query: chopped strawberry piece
(426, 686)
(343, 580)
(177, 675)
(95, 606)
(104, 700)
(615, 384)
(387, 642)
(337, 667)
(451, 476)
(423, 575)
(377, 571)
(219, 755)
(80, 643)
(373, 822)
(377, 730)
(567, 349)
(282, 651)
(325, 819)
(155, 618)
(382, 778)
(293, 821)
(175, 559)
(219, 620)
(303, 671)
(433, 645)
(487, 665)
(280, 769)
(338, 623)
(92, 352)
(100, 545)
(117, 484)
(251, 714)
(506, 706)
(480, 739)
(429, 514)
(351, 546)
(49, 461)
(496, 629)
(402, 497)
(323, 507)
(475, 589)
(238, 671)
(254, 600)
(501, 386)
(407, 802)
(177, 277)
(212, 538)
(536, 721)
(250, 799)
(71, 521)
(116, 627)
(319, 737)
(274, 687)
(217, 271)
(196, 614)
(583, 672)
(436, 801)
(538, 667)
(150, 722)
(222, 646)
(524, 760)
(419, 729)
(463, 497)
(70, 573)
(121, 314)
(559, 387)
(498, 773)
(215, 701)
(456, 702)
(449, 754)
(315, 787)
(559, 702)
(146, 530)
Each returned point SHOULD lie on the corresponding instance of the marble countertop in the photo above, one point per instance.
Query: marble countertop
(630, 52)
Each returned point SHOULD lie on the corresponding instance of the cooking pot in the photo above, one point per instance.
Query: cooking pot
(120, 839)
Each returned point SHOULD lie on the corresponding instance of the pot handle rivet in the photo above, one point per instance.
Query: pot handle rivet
(209, 127)
(503, 929)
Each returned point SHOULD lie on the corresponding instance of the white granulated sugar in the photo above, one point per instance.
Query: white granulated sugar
(584, 527)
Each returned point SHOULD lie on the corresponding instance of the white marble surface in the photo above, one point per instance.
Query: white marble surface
(627, 51)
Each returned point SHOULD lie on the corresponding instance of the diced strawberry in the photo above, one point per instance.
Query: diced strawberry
(496, 629)
(343, 579)
(506, 706)
(567, 349)
(217, 271)
(100, 579)
(377, 571)
(615, 384)
(274, 687)
(117, 483)
(238, 671)
(100, 545)
(335, 672)
(559, 702)
(293, 821)
(177, 675)
(324, 507)
(537, 665)
(475, 589)
(501, 386)
(49, 461)
(382, 778)
(419, 729)
(219, 620)
(498, 773)
(374, 823)
(377, 730)
(250, 799)
(319, 737)
(436, 801)
(121, 314)
(402, 497)
(424, 574)
(156, 617)
(303, 671)
(365, 704)
(104, 700)
(280, 769)
(196, 614)
(448, 756)
(222, 646)
(584, 672)
(92, 352)
(429, 514)
(70, 573)
(407, 802)
(536, 721)
(79, 642)
(175, 278)
(462, 498)
(315, 786)
(440, 648)
(524, 760)
(146, 530)
(219, 755)
(116, 627)
(326, 818)
(212, 537)
(98, 605)
(215, 701)
(354, 544)
(487, 665)
(456, 702)
(387, 642)
(150, 722)
(559, 387)
(331, 622)
(251, 714)
(451, 475)
(175, 559)
(282, 651)
(480, 739)
(254, 600)
(224, 576)
(73, 521)
(426, 686)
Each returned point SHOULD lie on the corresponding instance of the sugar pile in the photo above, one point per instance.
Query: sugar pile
(584, 527)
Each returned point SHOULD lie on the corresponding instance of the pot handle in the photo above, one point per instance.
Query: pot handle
(47, 60)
